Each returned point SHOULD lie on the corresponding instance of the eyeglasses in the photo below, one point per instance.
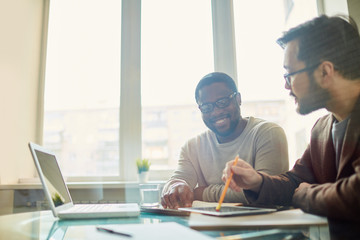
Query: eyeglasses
(221, 103)
(288, 76)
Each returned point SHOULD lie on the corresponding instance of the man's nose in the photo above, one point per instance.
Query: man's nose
(287, 86)
(216, 110)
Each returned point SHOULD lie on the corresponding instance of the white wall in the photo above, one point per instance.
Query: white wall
(20, 54)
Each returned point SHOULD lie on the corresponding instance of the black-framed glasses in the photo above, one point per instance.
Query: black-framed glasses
(221, 103)
(288, 76)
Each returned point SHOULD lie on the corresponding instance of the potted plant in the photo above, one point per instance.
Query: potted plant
(143, 166)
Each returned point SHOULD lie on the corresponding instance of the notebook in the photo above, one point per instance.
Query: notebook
(58, 195)
(229, 211)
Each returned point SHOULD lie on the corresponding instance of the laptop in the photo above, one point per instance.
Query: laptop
(58, 195)
(229, 211)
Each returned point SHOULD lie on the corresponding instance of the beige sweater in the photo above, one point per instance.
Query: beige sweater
(202, 159)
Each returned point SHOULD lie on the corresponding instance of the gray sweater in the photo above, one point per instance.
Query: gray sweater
(202, 159)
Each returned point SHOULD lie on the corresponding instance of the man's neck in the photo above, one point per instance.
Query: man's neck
(344, 99)
(239, 129)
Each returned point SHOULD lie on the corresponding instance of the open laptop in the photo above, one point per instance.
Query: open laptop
(58, 195)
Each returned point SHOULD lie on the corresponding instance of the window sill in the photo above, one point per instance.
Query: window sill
(77, 185)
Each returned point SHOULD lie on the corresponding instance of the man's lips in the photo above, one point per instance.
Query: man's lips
(293, 95)
(221, 121)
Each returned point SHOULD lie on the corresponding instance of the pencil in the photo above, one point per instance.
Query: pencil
(226, 186)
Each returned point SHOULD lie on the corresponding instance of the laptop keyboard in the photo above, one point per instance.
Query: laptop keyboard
(93, 208)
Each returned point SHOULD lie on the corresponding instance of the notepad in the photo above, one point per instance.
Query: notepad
(293, 217)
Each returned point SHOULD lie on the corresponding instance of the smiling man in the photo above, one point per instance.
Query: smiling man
(198, 176)
(322, 58)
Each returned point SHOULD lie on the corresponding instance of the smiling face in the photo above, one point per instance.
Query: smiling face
(309, 96)
(222, 121)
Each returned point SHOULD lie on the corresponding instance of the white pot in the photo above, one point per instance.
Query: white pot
(143, 177)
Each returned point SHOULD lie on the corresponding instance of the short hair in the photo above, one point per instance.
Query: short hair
(335, 39)
(212, 78)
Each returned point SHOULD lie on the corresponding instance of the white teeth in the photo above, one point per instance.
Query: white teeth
(220, 121)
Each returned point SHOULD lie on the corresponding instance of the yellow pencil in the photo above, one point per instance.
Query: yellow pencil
(226, 186)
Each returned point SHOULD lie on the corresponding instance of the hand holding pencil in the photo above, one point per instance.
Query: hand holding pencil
(226, 186)
(245, 176)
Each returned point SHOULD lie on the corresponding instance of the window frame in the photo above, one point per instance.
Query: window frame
(130, 132)
(130, 113)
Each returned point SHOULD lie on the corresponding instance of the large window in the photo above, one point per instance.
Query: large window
(82, 86)
(176, 52)
(83, 83)
(260, 65)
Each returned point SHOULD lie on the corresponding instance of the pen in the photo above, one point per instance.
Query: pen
(101, 229)
(226, 186)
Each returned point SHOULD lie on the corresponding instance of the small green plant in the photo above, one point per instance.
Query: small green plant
(57, 200)
(143, 165)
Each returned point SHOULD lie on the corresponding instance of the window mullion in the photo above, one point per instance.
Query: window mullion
(224, 37)
(130, 93)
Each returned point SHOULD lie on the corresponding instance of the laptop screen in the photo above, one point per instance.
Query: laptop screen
(53, 178)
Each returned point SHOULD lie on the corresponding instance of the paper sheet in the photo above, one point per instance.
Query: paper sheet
(294, 217)
(168, 230)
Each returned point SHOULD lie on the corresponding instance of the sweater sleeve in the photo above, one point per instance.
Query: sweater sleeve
(185, 171)
(272, 151)
(213, 192)
(271, 157)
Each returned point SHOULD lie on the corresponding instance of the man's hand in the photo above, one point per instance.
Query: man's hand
(245, 176)
(302, 185)
(178, 195)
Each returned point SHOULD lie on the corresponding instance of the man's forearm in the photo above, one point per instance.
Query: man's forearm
(198, 193)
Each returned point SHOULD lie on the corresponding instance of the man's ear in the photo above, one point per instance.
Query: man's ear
(327, 70)
(238, 98)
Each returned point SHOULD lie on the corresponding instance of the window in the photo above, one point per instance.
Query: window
(83, 83)
(263, 93)
(176, 52)
(82, 86)
(82, 92)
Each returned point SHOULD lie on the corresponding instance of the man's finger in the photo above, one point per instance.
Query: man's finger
(163, 202)
(185, 196)
(173, 198)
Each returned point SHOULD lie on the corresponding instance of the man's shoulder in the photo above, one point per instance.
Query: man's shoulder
(261, 123)
(204, 140)
(203, 136)
(324, 121)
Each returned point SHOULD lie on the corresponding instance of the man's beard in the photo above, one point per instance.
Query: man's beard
(232, 127)
(316, 98)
